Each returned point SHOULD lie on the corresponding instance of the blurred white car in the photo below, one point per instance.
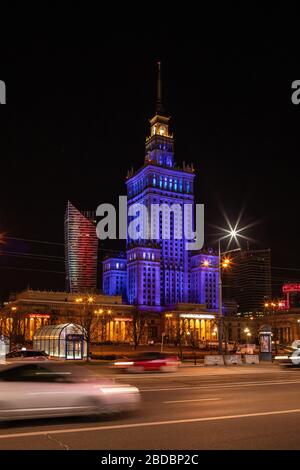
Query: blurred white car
(291, 355)
(42, 390)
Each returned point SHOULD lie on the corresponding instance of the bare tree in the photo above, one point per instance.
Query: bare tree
(93, 322)
(137, 327)
(180, 335)
(14, 329)
(194, 344)
(86, 320)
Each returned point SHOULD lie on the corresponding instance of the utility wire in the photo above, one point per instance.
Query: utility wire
(31, 269)
(106, 250)
(33, 241)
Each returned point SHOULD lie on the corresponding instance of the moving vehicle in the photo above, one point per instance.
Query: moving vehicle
(149, 362)
(44, 390)
(27, 355)
(290, 355)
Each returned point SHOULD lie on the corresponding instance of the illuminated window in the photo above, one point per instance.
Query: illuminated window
(117, 265)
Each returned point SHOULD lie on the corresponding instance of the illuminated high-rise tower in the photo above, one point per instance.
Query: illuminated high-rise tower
(158, 271)
(81, 247)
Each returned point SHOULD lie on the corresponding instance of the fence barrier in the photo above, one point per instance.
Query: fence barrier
(251, 359)
(214, 360)
(231, 359)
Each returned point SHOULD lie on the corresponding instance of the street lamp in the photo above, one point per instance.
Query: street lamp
(247, 332)
(274, 306)
(225, 264)
(87, 319)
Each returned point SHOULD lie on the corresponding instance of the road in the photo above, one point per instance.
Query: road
(238, 407)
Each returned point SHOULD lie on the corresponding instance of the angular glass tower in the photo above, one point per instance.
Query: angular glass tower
(81, 250)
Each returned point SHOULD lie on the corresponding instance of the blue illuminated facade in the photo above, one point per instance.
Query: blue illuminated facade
(160, 272)
(160, 181)
(205, 279)
(115, 276)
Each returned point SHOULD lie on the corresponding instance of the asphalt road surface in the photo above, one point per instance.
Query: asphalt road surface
(237, 407)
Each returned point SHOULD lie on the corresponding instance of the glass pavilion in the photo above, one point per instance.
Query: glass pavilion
(65, 341)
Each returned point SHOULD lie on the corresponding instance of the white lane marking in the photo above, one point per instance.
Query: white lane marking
(47, 409)
(149, 424)
(218, 385)
(202, 373)
(197, 399)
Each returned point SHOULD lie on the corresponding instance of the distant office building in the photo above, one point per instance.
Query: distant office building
(291, 292)
(250, 279)
(81, 247)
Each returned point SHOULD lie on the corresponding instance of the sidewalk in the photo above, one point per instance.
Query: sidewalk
(112, 352)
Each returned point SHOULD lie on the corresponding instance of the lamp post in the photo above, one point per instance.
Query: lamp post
(87, 319)
(233, 233)
(274, 306)
(224, 264)
(162, 341)
(220, 319)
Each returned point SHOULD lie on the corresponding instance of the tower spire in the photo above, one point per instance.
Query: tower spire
(159, 106)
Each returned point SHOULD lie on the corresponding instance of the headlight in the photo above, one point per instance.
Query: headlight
(123, 363)
(110, 390)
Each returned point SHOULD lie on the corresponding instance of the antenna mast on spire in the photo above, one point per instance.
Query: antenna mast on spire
(159, 107)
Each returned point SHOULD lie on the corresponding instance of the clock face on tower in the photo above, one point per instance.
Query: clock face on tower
(162, 130)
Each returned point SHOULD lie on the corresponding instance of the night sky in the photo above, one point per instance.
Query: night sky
(77, 116)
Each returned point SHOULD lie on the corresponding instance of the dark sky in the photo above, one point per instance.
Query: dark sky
(77, 116)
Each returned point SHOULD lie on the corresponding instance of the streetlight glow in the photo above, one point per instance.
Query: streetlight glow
(226, 263)
(234, 232)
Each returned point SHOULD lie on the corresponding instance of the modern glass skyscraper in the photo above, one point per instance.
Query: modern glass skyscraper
(81, 246)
